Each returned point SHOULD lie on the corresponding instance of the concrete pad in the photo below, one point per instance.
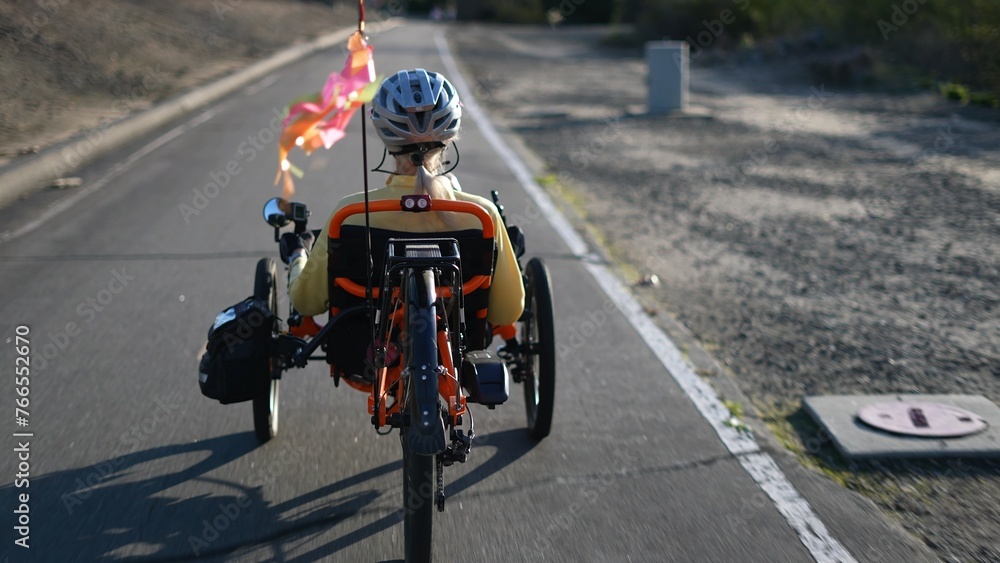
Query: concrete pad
(856, 440)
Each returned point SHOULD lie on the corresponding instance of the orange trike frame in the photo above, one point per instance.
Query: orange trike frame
(386, 378)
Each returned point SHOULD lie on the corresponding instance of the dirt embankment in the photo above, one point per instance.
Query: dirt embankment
(816, 240)
(69, 65)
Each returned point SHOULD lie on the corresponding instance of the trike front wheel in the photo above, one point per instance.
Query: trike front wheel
(418, 504)
(265, 407)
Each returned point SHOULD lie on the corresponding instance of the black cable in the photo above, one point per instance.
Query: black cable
(457, 158)
(368, 234)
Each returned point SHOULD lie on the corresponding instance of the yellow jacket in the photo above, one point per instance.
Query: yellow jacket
(307, 275)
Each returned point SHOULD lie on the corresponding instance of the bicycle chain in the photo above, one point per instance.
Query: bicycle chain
(439, 494)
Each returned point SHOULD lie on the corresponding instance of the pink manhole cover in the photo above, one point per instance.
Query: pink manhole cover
(931, 420)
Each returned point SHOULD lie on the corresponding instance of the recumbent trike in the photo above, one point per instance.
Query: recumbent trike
(414, 336)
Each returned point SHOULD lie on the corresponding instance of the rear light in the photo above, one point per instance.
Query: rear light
(416, 203)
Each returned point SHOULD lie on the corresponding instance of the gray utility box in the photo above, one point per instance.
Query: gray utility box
(667, 62)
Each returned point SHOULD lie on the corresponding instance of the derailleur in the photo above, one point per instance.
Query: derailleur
(458, 451)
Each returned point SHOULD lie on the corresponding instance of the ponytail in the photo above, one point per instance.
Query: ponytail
(437, 187)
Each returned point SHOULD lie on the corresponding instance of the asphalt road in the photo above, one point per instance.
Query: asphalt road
(129, 462)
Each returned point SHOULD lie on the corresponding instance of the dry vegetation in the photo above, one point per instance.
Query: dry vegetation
(924, 41)
(69, 64)
(904, 44)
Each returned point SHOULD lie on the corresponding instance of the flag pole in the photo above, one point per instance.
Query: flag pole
(368, 226)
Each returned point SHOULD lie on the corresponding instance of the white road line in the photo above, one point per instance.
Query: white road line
(760, 466)
(66, 203)
(254, 89)
(204, 116)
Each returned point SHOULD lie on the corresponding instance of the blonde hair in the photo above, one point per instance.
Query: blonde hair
(429, 181)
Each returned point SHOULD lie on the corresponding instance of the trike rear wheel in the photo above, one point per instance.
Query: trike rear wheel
(539, 342)
(265, 407)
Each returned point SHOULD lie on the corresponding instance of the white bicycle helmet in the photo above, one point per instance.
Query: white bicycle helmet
(415, 107)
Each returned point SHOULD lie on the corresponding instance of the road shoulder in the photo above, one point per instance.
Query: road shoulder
(853, 520)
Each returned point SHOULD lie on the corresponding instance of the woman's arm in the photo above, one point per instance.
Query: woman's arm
(307, 279)
(507, 291)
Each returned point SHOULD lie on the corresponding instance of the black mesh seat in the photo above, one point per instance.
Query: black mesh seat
(350, 339)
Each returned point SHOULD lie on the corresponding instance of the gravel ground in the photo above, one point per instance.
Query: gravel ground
(816, 240)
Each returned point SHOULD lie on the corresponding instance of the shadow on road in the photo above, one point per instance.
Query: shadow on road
(122, 509)
(84, 514)
(509, 445)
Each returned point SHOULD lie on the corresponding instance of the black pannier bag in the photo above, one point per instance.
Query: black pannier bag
(236, 364)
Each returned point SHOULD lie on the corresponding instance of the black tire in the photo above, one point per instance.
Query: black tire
(538, 336)
(418, 504)
(418, 470)
(265, 408)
